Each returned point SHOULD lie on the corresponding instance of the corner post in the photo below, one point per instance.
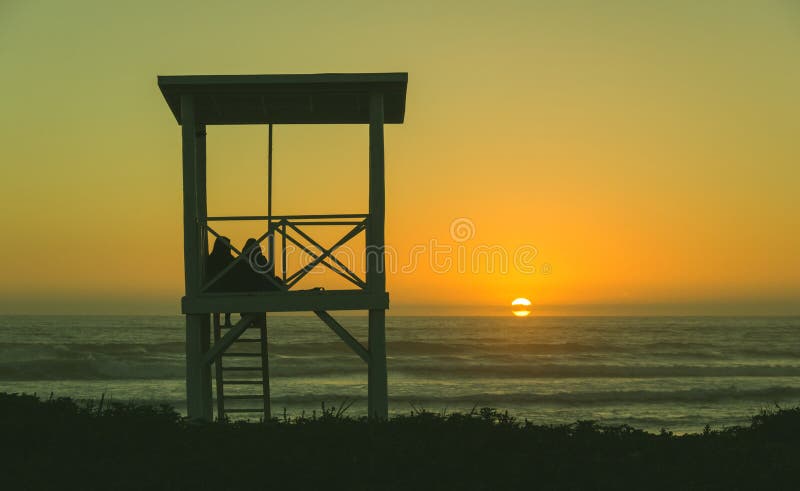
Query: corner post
(198, 374)
(378, 399)
(270, 224)
(191, 212)
(261, 320)
(202, 201)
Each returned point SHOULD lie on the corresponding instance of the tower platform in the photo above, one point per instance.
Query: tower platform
(290, 301)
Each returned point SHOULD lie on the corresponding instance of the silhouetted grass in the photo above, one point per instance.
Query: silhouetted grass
(58, 444)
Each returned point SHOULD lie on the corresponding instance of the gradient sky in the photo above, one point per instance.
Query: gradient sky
(648, 150)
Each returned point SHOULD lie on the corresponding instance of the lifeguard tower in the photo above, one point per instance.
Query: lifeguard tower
(197, 101)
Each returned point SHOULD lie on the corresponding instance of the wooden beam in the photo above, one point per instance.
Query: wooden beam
(377, 383)
(348, 339)
(378, 395)
(198, 374)
(218, 368)
(202, 201)
(354, 279)
(191, 234)
(376, 273)
(298, 275)
(285, 301)
(228, 339)
(262, 320)
(283, 251)
(349, 274)
(263, 218)
(205, 370)
(271, 239)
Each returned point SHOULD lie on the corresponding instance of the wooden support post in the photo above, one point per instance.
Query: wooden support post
(191, 233)
(377, 390)
(218, 368)
(262, 320)
(205, 370)
(198, 374)
(270, 224)
(283, 251)
(377, 399)
(376, 275)
(202, 201)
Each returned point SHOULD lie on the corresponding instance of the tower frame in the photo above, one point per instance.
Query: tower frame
(197, 101)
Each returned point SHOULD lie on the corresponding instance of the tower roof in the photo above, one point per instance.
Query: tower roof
(328, 98)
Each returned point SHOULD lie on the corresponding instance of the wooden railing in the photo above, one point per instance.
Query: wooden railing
(290, 230)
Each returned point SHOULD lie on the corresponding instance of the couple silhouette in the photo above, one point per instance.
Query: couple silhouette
(253, 272)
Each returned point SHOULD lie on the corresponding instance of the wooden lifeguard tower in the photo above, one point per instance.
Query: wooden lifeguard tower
(197, 101)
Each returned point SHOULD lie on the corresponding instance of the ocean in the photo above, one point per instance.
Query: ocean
(677, 373)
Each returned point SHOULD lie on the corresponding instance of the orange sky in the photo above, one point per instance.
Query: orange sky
(647, 152)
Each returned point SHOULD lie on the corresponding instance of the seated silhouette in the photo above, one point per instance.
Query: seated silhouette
(219, 259)
(252, 272)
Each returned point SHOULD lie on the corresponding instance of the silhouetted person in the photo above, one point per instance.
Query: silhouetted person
(251, 273)
(218, 260)
(255, 256)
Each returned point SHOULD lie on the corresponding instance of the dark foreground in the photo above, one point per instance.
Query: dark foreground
(58, 444)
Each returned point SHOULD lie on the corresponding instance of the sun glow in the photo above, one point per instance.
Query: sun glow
(520, 307)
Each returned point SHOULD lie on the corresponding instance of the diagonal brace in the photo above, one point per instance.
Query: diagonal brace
(346, 272)
(348, 339)
(352, 279)
(228, 339)
(227, 242)
(297, 276)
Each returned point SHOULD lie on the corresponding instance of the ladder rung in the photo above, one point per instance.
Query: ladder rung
(240, 410)
(243, 382)
(241, 354)
(244, 397)
(241, 369)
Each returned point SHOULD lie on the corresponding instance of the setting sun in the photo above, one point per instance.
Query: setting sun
(521, 307)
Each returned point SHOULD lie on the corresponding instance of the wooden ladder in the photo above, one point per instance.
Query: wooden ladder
(247, 375)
